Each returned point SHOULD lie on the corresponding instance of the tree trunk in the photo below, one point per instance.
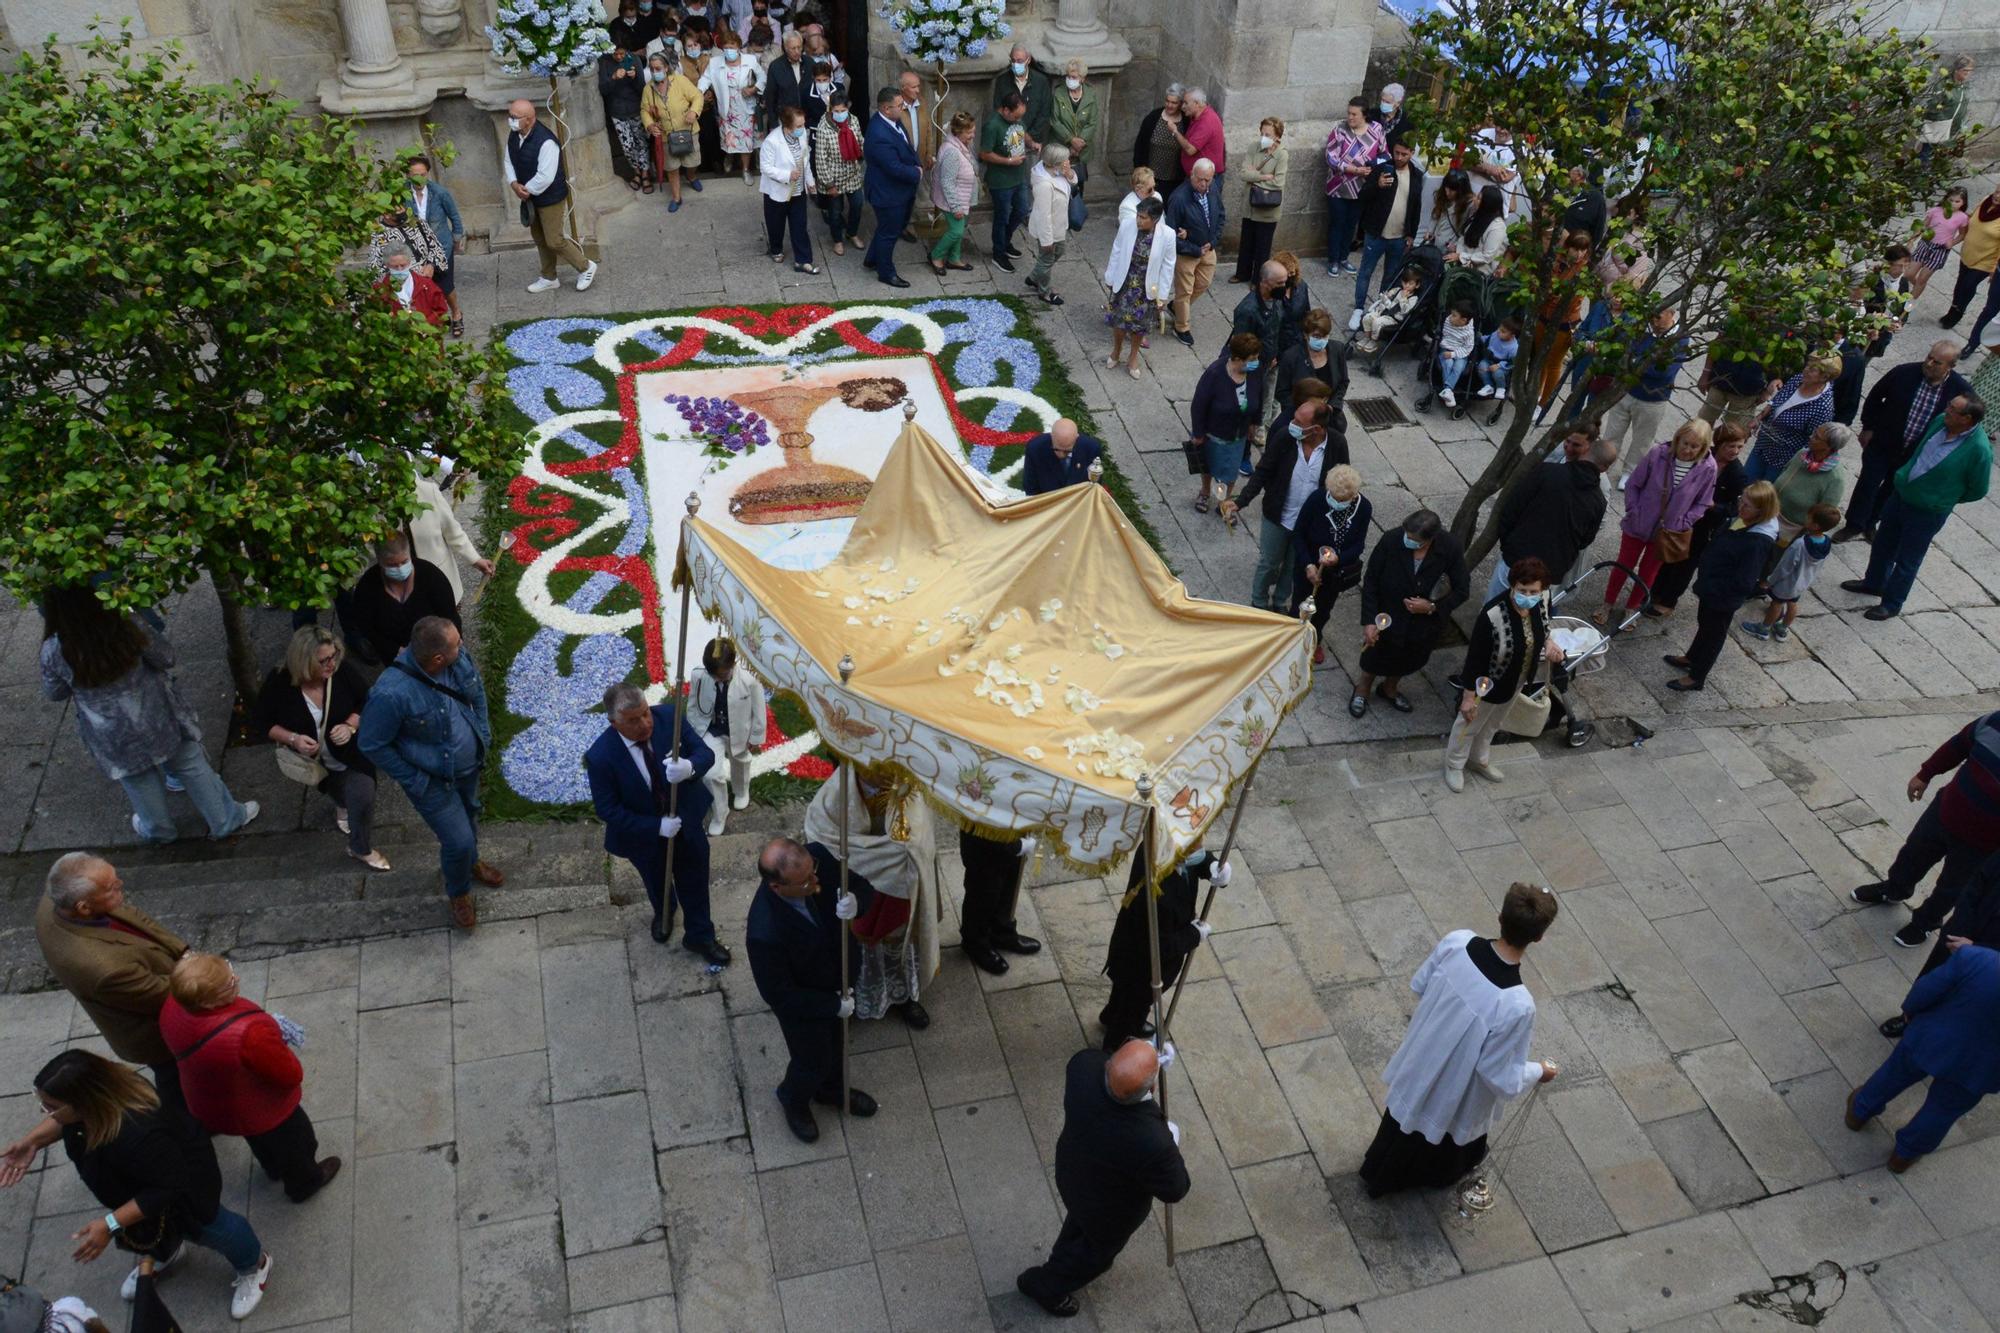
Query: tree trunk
(1511, 462)
(236, 631)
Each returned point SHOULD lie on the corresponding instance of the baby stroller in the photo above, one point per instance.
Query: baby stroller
(1428, 261)
(1586, 646)
(1459, 284)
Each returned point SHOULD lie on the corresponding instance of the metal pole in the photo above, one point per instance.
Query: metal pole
(680, 706)
(846, 776)
(1208, 903)
(1145, 790)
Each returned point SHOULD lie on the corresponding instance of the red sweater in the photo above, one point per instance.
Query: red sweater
(242, 1080)
(1969, 806)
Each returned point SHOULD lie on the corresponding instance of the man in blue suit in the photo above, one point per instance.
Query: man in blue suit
(1060, 457)
(1953, 1039)
(630, 777)
(890, 183)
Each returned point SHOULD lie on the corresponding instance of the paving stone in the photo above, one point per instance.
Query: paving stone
(512, 1275)
(1630, 1176)
(592, 1031)
(1269, 984)
(1770, 1138)
(685, 1043)
(1773, 946)
(406, 1257)
(1322, 931)
(1839, 932)
(992, 1158)
(1955, 1186)
(314, 970)
(1820, 1103)
(1135, 1297)
(1399, 1236)
(1396, 932)
(1370, 1020)
(1810, 837)
(1922, 1291)
(1238, 1092)
(506, 1139)
(620, 1277)
(1681, 1269)
(1305, 1238)
(604, 1162)
(761, 1060)
(1354, 860)
(1526, 1297)
(34, 1028)
(1038, 1033)
(1213, 1213)
(1276, 837)
(1926, 669)
(1328, 1100)
(1841, 1028)
(1707, 1166)
(1646, 873)
(1855, 1220)
(897, 1160)
(496, 991)
(1630, 1055)
(649, 1316)
(722, 1261)
(934, 1285)
(1968, 1259)
(1678, 1010)
(845, 1299)
(1768, 1030)
(328, 1057)
(1652, 795)
(813, 1217)
(1232, 1287)
(404, 1088)
(960, 1058)
(405, 969)
(1555, 1193)
(325, 1230)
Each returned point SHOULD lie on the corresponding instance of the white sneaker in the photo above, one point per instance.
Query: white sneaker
(543, 285)
(1453, 778)
(716, 823)
(588, 276)
(247, 1291)
(1487, 771)
(129, 1289)
(1485, 391)
(1447, 397)
(1354, 322)
(1622, 481)
(740, 802)
(250, 812)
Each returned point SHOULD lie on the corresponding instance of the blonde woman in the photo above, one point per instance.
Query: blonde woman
(1730, 570)
(1144, 186)
(310, 707)
(1264, 167)
(1073, 118)
(1664, 495)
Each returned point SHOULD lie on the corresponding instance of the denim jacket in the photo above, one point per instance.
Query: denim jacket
(417, 734)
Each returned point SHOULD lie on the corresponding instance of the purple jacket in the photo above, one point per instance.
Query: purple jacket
(1651, 491)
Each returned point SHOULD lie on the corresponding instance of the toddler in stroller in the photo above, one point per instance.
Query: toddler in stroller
(1405, 309)
(1386, 313)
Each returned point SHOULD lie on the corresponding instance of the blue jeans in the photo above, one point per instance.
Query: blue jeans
(1901, 539)
(231, 1236)
(890, 219)
(1373, 249)
(147, 791)
(451, 809)
(1945, 1104)
(1498, 584)
(1010, 211)
(1494, 375)
(1342, 217)
(1452, 368)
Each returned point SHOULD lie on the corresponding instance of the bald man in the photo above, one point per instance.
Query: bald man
(1118, 1152)
(533, 166)
(1060, 456)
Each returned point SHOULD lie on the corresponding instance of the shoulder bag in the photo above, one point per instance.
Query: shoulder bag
(680, 142)
(306, 770)
(1267, 196)
(1528, 711)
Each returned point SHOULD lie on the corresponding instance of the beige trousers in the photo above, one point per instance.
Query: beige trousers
(1192, 274)
(1473, 743)
(550, 228)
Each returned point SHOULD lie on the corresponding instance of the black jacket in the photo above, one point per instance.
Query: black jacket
(1553, 515)
(1042, 471)
(1587, 212)
(1729, 484)
(1273, 477)
(1731, 566)
(384, 623)
(1113, 1159)
(1313, 530)
(161, 1159)
(781, 89)
(279, 704)
(621, 96)
(1129, 958)
(1886, 410)
(1976, 915)
(1377, 199)
(1390, 577)
(1496, 654)
(1847, 386)
(796, 962)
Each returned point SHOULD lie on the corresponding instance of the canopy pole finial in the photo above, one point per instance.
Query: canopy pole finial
(909, 409)
(846, 667)
(1095, 471)
(1307, 610)
(693, 503)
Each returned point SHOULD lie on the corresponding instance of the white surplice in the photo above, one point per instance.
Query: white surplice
(1466, 1050)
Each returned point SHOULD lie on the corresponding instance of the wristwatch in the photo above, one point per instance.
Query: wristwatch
(112, 1224)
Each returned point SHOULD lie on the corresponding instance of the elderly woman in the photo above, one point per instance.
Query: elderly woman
(239, 1075)
(1050, 186)
(738, 85)
(1730, 570)
(954, 188)
(1351, 150)
(1329, 542)
(150, 1166)
(672, 106)
(130, 716)
(1400, 586)
(1665, 494)
(1509, 643)
(1220, 413)
(1140, 277)
(785, 172)
(310, 708)
(1263, 167)
(1797, 408)
(1156, 147)
(837, 148)
(1073, 123)
(1812, 477)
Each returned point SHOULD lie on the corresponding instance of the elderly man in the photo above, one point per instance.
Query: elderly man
(113, 958)
(922, 130)
(425, 725)
(1033, 88)
(1952, 465)
(1194, 215)
(533, 167)
(1116, 1154)
(786, 79)
(797, 928)
(393, 594)
(1896, 414)
(633, 786)
(1059, 457)
(1262, 312)
(1555, 512)
(1293, 468)
(404, 289)
(889, 847)
(1199, 133)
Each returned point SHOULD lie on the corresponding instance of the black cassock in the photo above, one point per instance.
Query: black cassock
(1129, 960)
(992, 886)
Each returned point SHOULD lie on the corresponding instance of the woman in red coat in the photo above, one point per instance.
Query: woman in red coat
(239, 1076)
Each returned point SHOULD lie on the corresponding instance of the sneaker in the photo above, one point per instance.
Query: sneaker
(247, 1291)
(1447, 397)
(1877, 892)
(1756, 629)
(741, 801)
(1004, 264)
(1781, 631)
(250, 812)
(1487, 771)
(1485, 391)
(129, 1289)
(1622, 481)
(543, 285)
(1186, 336)
(173, 783)
(1911, 936)
(1354, 322)
(588, 276)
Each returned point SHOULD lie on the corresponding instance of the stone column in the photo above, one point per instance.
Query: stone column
(373, 64)
(1079, 30)
(1079, 17)
(439, 19)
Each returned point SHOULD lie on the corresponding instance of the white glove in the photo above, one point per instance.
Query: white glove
(1028, 846)
(1167, 1054)
(678, 770)
(1203, 929)
(846, 1006)
(847, 907)
(1219, 876)
(1174, 1130)
(669, 825)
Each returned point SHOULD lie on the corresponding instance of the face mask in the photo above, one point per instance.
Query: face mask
(513, 125)
(1410, 543)
(697, 11)
(1317, 344)
(1524, 600)
(732, 55)
(1388, 108)
(694, 53)
(1072, 84)
(1018, 68)
(657, 75)
(399, 276)
(401, 573)
(646, 6)
(1252, 363)
(1264, 141)
(840, 117)
(1298, 431)
(799, 133)
(1338, 506)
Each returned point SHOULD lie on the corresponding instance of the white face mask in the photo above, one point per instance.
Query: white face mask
(1264, 141)
(1018, 68)
(1072, 84)
(513, 124)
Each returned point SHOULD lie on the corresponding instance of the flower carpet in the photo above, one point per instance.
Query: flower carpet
(775, 420)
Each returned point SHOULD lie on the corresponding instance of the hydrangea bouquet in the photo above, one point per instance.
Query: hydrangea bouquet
(724, 429)
(945, 31)
(548, 37)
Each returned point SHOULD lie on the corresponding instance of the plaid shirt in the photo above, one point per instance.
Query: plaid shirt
(1923, 406)
(1345, 147)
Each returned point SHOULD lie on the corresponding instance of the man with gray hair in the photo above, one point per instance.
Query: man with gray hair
(1199, 132)
(425, 725)
(1194, 215)
(403, 288)
(655, 810)
(113, 958)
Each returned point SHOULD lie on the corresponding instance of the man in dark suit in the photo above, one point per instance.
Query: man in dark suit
(630, 777)
(1059, 457)
(1294, 466)
(1894, 417)
(1953, 1040)
(890, 183)
(1195, 217)
(798, 925)
(993, 875)
(1117, 1153)
(786, 80)
(1129, 959)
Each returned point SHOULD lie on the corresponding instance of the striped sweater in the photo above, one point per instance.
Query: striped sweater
(1970, 805)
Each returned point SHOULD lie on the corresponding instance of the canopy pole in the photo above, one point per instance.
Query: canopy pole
(846, 776)
(693, 503)
(1208, 903)
(1146, 890)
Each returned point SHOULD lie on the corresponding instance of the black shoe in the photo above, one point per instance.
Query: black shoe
(986, 959)
(714, 951)
(1062, 1307)
(1356, 706)
(1879, 613)
(1911, 936)
(662, 930)
(1012, 251)
(1952, 316)
(1877, 892)
(1856, 585)
(913, 1013)
(1679, 686)
(329, 1167)
(894, 282)
(1846, 534)
(1004, 264)
(1186, 337)
(907, 235)
(1674, 660)
(868, 263)
(1021, 944)
(1395, 701)
(858, 1102)
(1892, 1028)
(801, 1122)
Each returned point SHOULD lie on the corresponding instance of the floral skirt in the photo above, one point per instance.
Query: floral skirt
(634, 147)
(1130, 311)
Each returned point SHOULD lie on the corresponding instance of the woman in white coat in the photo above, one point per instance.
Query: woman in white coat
(1050, 185)
(785, 175)
(1141, 278)
(435, 535)
(1465, 1054)
(726, 707)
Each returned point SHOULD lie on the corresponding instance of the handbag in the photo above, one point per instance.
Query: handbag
(304, 770)
(1670, 548)
(1527, 712)
(527, 214)
(1197, 457)
(1267, 196)
(680, 142)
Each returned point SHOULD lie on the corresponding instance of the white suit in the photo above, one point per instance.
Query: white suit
(746, 728)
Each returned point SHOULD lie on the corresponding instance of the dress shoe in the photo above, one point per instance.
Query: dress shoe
(1021, 944)
(1062, 1307)
(714, 951)
(907, 235)
(1952, 316)
(858, 1102)
(986, 958)
(489, 875)
(1846, 534)
(1892, 1028)
(329, 1167)
(1878, 613)
(1854, 1122)
(1684, 686)
(894, 282)
(1898, 1163)
(1675, 660)
(1856, 585)
(464, 914)
(662, 928)
(799, 1119)
(913, 1013)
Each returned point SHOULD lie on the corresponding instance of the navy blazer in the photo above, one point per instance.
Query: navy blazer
(1042, 471)
(1886, 410)
(893, 169)
(625, 803)
(1954, 1010)
(1184, 215)
(796, 962)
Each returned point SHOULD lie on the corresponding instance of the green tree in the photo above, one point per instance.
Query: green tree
(196, 379)
(1773, 144)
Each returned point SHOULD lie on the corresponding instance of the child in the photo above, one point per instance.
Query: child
(1455, 349)
(1795, 572)
(726, 706)
(1502, 346)
(1141, 278)
(1388, 310)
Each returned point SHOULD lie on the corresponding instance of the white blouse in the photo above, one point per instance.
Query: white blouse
(1466, 1051)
